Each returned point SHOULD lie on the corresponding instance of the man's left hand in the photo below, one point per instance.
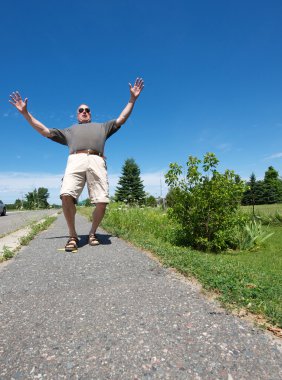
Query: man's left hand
(135, 90)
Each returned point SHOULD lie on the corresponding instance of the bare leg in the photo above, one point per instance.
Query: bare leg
(69, 210)
(97, 216)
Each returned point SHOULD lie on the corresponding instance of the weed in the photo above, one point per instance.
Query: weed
(251, 235)
(36, 228)
(7, 253)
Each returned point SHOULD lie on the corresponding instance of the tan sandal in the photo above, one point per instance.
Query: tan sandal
(93, 240)
(72, 244)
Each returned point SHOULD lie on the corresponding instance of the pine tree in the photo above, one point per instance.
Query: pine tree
(272, 186)
(130, 188)
(266, 191)
(249, 196)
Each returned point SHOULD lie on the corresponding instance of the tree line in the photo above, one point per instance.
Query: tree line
(33, 200)
(130, 190)
(266, 191)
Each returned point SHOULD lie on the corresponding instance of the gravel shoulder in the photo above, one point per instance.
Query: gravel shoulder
(111, 312)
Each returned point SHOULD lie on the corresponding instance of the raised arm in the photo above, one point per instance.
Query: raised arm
(21, 106)
(135, 91)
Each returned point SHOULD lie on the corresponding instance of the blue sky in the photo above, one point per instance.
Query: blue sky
(213, 83)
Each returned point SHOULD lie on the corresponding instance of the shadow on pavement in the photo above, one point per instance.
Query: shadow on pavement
(104, 239)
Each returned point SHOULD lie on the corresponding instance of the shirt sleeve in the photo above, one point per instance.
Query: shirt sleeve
(58, 135)
(110, 127)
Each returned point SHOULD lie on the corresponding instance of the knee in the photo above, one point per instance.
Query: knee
(67, 199)
(101, 206)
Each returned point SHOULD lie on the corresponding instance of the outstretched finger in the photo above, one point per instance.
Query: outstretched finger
(140, 84)
(12, 102)
(15, 96)
(18, 95)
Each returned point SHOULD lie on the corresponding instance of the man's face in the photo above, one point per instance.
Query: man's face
(83, 114)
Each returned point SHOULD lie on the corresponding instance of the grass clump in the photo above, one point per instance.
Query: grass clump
(7, 254)
(36, 228)
(251, 235)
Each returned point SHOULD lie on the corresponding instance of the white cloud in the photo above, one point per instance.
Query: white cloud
(275, 155)
(14, 185)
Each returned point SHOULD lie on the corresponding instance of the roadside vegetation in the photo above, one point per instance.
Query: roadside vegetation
(205, 233)
(250, 280)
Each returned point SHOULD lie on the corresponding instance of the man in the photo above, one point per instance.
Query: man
(86, 162)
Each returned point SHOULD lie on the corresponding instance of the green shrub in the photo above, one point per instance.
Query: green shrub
(206, 205)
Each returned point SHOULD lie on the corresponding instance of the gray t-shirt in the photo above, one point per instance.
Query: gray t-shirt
(85, 135)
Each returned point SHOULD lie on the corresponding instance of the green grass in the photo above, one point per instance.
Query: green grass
(36, 228)
(264, 209)
(267, 214)
(250, 280)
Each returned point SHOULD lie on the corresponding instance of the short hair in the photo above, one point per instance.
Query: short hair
(82, 104)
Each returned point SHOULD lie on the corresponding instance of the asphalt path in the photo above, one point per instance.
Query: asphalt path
(112, 312)
(19, 219)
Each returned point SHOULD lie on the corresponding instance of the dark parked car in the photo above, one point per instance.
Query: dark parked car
(2, 209)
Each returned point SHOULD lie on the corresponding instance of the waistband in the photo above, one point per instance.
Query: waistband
(88, 151)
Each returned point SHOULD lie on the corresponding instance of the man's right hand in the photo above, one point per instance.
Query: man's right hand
(16, 100)
(21, 106)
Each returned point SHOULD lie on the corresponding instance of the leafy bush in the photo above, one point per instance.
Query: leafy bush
(206, 205)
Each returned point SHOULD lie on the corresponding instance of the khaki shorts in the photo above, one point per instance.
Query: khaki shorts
(91, 169)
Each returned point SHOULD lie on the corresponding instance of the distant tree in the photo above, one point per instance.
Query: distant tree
(150, 201)
(260, 193)
(130, 187)
(266, 191)
(249, 196)
(42, 196)
(87, 202)
(30, 202)
(272, 186)
(172, 196)
(271, 174)
(18, 204)
(36, 199)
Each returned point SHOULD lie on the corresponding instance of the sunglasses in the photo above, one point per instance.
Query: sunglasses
(80, 110)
